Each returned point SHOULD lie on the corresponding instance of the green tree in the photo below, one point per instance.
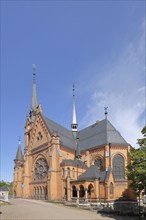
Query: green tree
(136, 169)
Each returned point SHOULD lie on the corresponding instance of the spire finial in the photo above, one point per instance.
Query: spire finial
(19, 139)
(34, 72)
(73, 89)
(106, 112)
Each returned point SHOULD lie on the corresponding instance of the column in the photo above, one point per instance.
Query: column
(86, 195)
(78, 196)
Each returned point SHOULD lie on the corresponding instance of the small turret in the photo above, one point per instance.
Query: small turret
(19, 155)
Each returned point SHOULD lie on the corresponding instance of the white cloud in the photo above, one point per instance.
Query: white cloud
(122, 89)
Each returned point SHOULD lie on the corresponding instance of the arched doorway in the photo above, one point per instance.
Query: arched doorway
(82, 191)
(90, 189)
(74, 191)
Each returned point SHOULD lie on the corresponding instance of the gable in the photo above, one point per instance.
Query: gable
(40, 134)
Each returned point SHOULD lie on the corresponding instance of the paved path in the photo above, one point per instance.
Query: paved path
(21, 209)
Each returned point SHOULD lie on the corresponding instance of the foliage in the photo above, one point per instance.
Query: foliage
(7, 184)
(136, 169)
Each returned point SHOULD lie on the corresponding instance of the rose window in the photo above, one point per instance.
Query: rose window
(41, 169)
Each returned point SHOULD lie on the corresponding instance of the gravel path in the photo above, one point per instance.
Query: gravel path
(22, 209)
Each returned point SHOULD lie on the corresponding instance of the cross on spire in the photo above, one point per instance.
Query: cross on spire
(34, 72)
(106, 112)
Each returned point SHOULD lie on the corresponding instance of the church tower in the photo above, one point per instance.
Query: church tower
(18, 170)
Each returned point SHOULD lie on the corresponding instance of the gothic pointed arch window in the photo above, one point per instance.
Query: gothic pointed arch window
(99, 162)
(111, 189)
(118, 167)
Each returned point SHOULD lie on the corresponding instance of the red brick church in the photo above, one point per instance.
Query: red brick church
(70, 164)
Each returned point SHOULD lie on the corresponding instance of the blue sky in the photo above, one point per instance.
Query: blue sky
(99, 45)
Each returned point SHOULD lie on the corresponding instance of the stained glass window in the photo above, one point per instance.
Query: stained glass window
(118, 167)
(111, 189)
(41, 169)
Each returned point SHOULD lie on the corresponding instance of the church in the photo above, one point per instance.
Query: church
(61, 164)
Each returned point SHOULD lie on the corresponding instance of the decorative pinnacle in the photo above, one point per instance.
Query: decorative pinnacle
(106, 112)
(34, 72)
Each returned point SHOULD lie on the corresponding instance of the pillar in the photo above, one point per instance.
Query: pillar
(78, 196)
(86, 195)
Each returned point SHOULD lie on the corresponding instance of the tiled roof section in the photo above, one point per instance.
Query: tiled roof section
(73, 163)
(98, 134)
(66, 135)
(93, 173)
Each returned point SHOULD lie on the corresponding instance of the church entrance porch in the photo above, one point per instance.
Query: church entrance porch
(81, 193)
(39, 192)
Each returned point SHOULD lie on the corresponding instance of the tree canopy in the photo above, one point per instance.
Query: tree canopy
(136, 169)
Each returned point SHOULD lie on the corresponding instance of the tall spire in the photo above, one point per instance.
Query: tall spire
(34, 97)
(74, 124)
(19, 155)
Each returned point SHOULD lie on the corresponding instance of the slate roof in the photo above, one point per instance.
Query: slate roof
(73, 163)
(93, 173)
(100, 133)
(66, 136)
(19, 155)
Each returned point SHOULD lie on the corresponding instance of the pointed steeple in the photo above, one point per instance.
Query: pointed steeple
(74, 124)
(19, 155)
(34, 96)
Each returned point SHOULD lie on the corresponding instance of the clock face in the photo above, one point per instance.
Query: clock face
(41, 169)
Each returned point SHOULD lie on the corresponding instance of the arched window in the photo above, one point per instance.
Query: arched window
(99, 163)
(111, 189)
(68, 171)
(73, 172)
(118, 167)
